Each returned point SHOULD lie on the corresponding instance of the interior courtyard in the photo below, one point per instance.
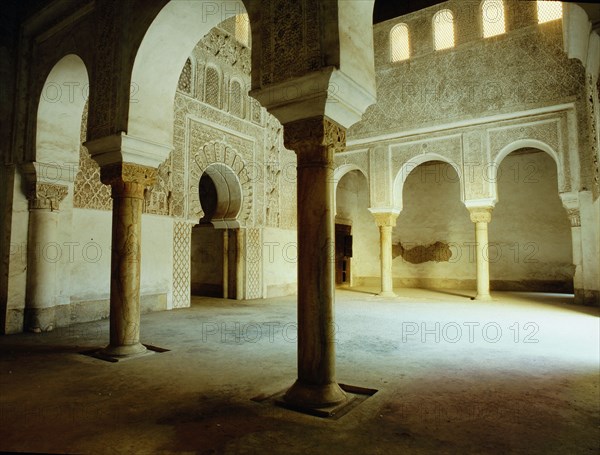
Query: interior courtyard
(313, 226)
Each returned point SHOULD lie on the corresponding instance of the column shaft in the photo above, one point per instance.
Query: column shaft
(225, 263)
(483, 265)
(125, 269)
(481, 216)
(387, 286)
(128, 182)
(386, 222)
(43, 254)
(316, 384)
(41, 270)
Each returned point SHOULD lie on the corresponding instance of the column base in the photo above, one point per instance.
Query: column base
(129, 350)
(314, 396)
(40, 320)
(483, 297)
(387, 294)
(587, 297)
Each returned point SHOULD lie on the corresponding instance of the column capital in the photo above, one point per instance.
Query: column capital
(46, 195)
(574, 217)
(128, 178)
(570, 202)
(383, 219)
(481, 214)
(303, 135)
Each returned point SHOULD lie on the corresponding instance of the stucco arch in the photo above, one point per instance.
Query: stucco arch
(492, 171)
(340, 172)
(411, 165)
(344, 169)
(233, 179)
(166, 45)
(229, 195)
(60, 110)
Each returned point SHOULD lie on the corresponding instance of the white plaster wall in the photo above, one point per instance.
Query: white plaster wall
(280, 257)
(157, 256)
(90, 268)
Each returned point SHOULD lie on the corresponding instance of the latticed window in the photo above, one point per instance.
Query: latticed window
(443, 29)
(235, 99)
(185, 78)
(492, 15)
(549, 11)
(211, 90)
(399, 43)
(242, 29)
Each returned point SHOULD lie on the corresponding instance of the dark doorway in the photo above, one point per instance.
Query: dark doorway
(343, 254)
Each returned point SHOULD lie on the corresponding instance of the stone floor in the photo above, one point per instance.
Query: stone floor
(519, 374)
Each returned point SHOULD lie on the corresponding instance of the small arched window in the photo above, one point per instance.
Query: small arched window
(211, 89)
(242, 29)
(548, 11)
(399, 43)
(443, 30)
(235, 99)
(492, 16)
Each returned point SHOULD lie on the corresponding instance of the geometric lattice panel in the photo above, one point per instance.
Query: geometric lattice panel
(253, 264)
(182, 235)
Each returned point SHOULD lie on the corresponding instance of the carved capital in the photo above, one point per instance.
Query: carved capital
(303, 135)
(481, 214)
(574, 217)
(571, 204)
(385, 219)
(128, 179)
(46, 195)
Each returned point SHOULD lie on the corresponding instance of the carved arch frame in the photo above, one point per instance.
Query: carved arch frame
(219, 152)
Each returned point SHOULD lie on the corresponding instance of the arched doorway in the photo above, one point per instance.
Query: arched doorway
(530, 234)
(433, 231)
(216, 253)
(355, 231)
(49, 174)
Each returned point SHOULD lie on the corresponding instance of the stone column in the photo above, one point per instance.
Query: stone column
(225, 263)
(42, 255)
(128, 182)
(481, 216)
(315, 141)
(386, 222)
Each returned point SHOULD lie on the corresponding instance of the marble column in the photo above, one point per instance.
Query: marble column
(315, 141)
(481, 216)
(128, 182)
(43, 252)
(386, 222)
